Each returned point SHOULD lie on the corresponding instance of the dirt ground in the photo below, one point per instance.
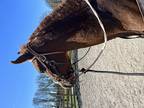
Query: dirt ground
(111, 90)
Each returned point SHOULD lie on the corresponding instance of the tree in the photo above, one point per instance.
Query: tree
(53, 3)
(46, 95)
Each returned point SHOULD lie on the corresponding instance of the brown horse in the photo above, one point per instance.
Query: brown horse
(73, 25)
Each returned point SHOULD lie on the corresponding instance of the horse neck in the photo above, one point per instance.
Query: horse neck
(126, 11)
(58, 33)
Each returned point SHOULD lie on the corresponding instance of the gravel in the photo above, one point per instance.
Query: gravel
(110, 90)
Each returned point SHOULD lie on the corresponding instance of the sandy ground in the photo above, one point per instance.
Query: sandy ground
(107, 90)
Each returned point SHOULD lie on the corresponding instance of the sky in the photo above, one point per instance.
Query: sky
(18, 19)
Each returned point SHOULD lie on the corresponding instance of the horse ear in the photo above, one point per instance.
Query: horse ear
(23, 58)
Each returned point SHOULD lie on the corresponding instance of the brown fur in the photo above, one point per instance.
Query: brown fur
(72, 25)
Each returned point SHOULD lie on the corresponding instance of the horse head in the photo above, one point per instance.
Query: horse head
(56, 65)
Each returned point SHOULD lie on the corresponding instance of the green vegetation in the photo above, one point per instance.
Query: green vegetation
(50, 95)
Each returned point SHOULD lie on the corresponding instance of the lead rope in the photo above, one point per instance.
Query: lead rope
(74, 63)
(105, 38)
(83, 70)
